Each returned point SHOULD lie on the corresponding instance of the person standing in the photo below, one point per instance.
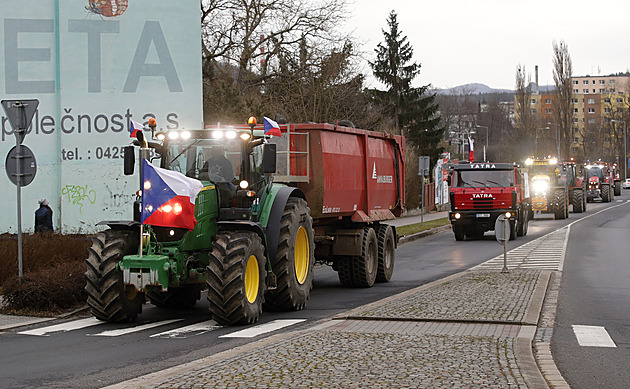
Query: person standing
(43, 217)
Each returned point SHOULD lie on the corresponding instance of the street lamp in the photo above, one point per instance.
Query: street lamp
(625, 152)
(486, 145)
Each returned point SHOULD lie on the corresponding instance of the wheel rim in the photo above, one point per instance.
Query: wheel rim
(301, 257)
(252, 279)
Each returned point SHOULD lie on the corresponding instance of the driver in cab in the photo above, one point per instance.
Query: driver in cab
(217, 168)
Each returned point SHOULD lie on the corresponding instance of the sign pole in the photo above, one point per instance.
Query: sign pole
(19, 207)
(505, 229)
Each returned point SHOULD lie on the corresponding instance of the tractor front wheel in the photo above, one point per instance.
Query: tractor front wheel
(578, 201)
(295, 258)
(560, 207)
(236, 278)
(108, 298)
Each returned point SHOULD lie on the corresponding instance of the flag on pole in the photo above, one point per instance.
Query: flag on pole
(168, 197)
(471, 155)
(135, 127)
(271, 127)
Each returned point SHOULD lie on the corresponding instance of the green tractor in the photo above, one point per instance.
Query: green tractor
(252, 243)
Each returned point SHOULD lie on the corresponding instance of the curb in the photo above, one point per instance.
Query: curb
(423, 234)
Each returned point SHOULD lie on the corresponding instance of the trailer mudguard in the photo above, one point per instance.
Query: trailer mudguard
(272, 230)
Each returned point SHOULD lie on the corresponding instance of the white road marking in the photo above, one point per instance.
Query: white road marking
(64, 327)
(262, 328)
(182, 333)
(593, 336)
(124, 331)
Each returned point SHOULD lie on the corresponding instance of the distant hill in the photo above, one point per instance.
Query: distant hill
(478, 89)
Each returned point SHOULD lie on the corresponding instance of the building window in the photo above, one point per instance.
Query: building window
(607, 100)
(533, 110)
(602, 90)
(547, 101)
(585, 82)
(591, 121)
(593, 90)
(548, 111)
(591, 101)
(575, 120)
(575, 110)
(620, 99)
(602, 82)
(585, 90)
(591, 110)
(612, 82)
(607, 109)
(533, 101)
(575, 101)
(612, 90)
(576, 140)
(576, 91)
(575, 82)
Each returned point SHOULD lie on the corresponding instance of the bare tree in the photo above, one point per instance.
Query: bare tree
(563, 109)
(527, 120)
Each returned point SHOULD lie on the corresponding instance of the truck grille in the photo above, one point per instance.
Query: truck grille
(483, 204)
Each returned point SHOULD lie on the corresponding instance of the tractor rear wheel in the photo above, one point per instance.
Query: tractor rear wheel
(386, 253)
(181, 297)
(295, 258)
(236, 277)
(578, 201)
(560, 207)
(108, 298)
(605, 193)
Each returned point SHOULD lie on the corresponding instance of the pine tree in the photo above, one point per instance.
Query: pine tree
(411, 109)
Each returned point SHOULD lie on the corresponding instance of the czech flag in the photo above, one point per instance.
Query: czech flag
(471, 155)
(135, 127)
(168, 197)
(271, 127)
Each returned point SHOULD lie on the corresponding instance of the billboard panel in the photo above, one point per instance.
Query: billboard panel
(94, 65)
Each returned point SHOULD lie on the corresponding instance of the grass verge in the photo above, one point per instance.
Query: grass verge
(415, 228)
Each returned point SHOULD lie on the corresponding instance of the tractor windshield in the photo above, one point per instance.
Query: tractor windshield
(216, 160)
(596, 171)
(487, 178)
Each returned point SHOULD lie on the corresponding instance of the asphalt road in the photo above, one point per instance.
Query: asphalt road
(91, 357)
(595, 292)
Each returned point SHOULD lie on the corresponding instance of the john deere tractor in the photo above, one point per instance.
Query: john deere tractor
(252, 243)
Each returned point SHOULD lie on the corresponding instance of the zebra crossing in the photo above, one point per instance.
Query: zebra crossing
(546, 253)
(92, 324)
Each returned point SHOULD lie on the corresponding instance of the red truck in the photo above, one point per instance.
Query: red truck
(480, 192)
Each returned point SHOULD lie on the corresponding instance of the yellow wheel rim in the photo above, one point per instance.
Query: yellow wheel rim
(252, 279)
(301, 257)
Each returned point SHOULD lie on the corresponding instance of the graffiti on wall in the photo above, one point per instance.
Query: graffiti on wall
(79, 195)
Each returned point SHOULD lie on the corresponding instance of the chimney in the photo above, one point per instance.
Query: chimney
(536, 70)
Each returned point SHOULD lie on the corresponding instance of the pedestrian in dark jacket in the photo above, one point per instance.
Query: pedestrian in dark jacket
(43, 217)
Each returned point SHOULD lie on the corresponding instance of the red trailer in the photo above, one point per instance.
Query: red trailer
(354, 181)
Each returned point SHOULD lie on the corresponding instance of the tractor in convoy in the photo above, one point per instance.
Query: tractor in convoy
(480, 192)
(549, 189)
(572, 174)
(601, 182)
(319, 192)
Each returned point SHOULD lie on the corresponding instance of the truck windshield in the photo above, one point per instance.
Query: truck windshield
(484, 178)
(210, 159)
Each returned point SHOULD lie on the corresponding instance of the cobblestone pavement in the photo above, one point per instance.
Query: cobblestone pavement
(473, 329)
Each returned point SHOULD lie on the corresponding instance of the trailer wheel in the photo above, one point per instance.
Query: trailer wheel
(294, 260)
(344, 270)
(365, 266)
(559, 210)
(182, 297)
(459, 232)
(236, 277)
(605, 193)
(578, 201)
(108, 298)
(386, 253)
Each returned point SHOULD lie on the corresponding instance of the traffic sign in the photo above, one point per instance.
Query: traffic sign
(20, 114)
(27, 168)
(424, 164)
(502, 229)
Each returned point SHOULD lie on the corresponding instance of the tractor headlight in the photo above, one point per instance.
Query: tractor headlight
(540, 186)
(243, 184)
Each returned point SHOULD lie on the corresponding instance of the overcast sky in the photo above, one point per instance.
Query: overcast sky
(483, 41)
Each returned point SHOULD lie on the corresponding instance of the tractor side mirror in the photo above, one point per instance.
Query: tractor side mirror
(129, 159)
(269, 158)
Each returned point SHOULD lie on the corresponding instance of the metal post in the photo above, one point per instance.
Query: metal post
(505, 230)
(18, 171)
(422, 205)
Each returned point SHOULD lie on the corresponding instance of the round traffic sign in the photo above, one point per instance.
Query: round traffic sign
(27, 163)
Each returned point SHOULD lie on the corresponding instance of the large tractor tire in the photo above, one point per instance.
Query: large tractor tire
(108, 298)
(295, 258)
(560, 207)
(458, 231)
(617, 188)
(606, 198)
(386, 252)
(361, 270)
(236, 277)
(578, 201)
(178, 298)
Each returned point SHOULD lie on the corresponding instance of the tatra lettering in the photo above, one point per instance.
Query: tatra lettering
(482, 196)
